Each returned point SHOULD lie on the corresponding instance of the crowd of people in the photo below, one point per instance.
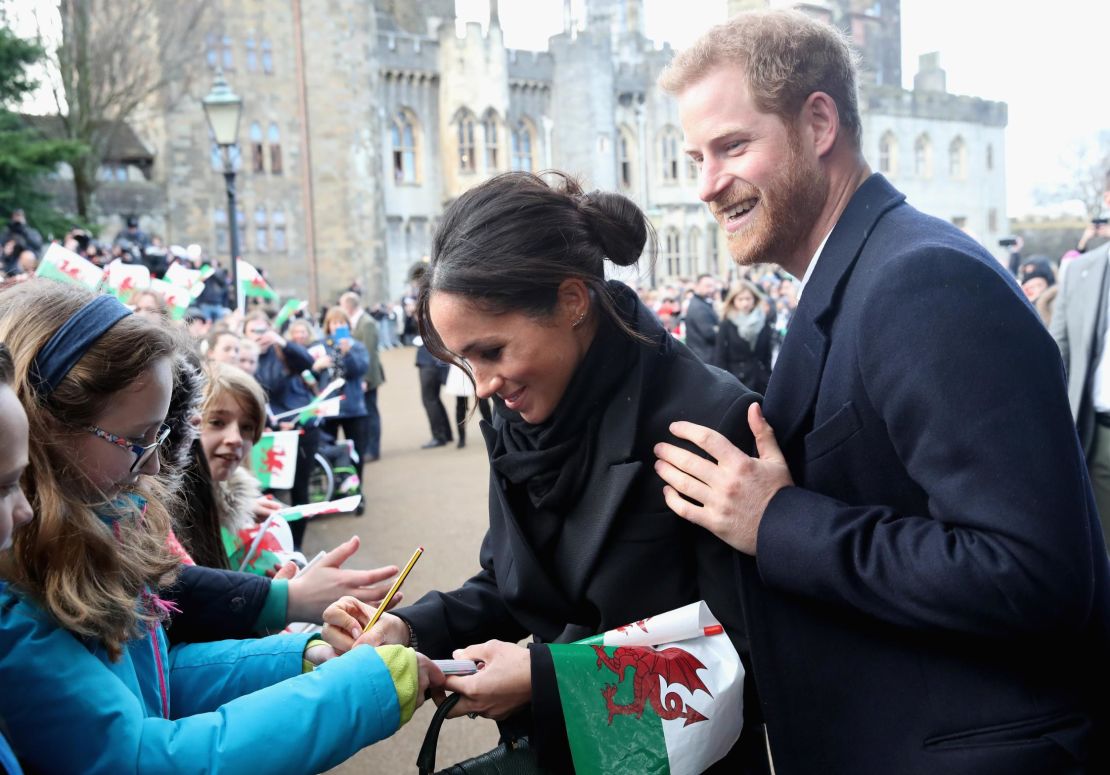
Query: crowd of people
(864, 456)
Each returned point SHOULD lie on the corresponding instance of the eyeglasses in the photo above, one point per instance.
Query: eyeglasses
(257, 331)
(142, 453)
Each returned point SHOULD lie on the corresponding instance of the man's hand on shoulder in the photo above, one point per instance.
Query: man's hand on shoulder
(734, 491)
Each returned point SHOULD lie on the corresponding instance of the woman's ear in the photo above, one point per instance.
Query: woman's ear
(574, 300)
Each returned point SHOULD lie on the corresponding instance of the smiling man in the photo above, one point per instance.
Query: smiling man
(924, 578)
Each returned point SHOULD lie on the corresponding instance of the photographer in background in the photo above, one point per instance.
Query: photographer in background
(19, 230)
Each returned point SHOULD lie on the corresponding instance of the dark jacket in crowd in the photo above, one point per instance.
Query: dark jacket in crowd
(215, 604)
(701, 328)
(26, 236)
(279, 373)
(352, 368)
(733, 353)
(216, 289)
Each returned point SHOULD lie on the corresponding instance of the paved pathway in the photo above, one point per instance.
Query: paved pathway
(435, 498)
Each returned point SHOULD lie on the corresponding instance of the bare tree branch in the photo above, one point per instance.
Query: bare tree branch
(115, 57)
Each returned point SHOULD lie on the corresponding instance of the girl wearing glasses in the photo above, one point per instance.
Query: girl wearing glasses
(83, 654)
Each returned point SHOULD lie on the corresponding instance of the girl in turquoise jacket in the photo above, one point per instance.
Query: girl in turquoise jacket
(89, 681)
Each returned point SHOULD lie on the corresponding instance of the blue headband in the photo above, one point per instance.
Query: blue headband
(59, 355)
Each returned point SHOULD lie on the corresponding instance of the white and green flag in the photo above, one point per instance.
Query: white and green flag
(664, 695)
(126, 280)
(68, 267)
(291, 307)
(177, 299)
(183, 277)
(274, 459)
(341, 506)
(251, 283)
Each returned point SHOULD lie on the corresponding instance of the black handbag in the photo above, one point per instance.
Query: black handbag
(511, 758)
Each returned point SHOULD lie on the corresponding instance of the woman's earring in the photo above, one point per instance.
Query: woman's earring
(578, 322)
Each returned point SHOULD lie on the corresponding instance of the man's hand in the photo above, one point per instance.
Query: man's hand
(734, 491)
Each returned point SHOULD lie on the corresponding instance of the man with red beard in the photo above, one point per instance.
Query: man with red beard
(924, 579)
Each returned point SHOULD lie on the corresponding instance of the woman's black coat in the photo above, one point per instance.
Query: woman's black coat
(750, 365)
(630, 556)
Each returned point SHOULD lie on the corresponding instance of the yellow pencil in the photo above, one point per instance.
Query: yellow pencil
(393, 590)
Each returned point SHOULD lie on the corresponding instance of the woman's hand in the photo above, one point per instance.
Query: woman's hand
(344, 346)
(322, 363)
(345, 618)
(265, 506)
(312, 591)
(501, 687)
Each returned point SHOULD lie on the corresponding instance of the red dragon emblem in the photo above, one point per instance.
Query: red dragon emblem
(673, 665)
(272, 461)
(65, 268)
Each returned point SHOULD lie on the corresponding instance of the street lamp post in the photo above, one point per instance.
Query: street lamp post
(222, 107)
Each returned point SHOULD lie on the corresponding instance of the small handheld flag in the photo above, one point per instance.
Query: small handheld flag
(274, 459)
(68, 267)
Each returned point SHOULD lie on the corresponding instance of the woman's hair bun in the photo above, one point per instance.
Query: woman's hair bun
(618, 224)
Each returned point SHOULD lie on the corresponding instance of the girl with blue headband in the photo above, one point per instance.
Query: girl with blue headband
(84, 659)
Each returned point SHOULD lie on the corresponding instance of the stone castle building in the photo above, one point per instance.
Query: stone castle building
(361, 120)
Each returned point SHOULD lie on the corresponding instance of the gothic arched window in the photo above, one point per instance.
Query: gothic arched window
(923, 157)
(465, 125)
(888, 154)
(522, 146)
(489, 130)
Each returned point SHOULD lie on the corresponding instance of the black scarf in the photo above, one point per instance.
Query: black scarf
(546, 465)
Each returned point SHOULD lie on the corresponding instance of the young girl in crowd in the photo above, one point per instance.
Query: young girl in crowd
(14, 508)
(83, 656)
(221, 497)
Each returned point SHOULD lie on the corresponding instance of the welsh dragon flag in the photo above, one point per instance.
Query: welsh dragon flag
(177, 299)
(251, 282)
(183, 277)
(68, 267)
(126, 280)
(274, 459)
(661, 695)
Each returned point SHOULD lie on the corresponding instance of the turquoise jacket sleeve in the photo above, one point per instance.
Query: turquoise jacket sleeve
(203, 676)
(68, 711)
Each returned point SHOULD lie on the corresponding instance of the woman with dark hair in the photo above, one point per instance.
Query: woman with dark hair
(584, 382)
